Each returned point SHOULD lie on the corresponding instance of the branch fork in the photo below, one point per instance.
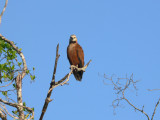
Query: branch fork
(61, 82)
(120, 91)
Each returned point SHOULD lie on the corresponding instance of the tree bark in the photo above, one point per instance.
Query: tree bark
(19, 96)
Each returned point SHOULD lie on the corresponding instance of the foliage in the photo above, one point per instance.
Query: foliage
(10, 65)
(7, 66)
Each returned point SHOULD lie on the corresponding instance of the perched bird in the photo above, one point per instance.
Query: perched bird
(75, 56)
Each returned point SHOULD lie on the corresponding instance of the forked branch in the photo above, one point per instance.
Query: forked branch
(18, 81)
(17, 105)
(61, 82)
(121, 86)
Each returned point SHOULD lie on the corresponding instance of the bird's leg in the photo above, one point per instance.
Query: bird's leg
(83, 69)
(74, 67)
(78, 69)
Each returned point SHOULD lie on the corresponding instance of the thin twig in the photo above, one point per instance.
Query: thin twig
(155, 109)
(153, 89)
(7, 90)
(62, 80)
(3, 10)
(141, 110)
(71, 71)
(121, 88)
(3, 106)
(8, 84)
(78, 69)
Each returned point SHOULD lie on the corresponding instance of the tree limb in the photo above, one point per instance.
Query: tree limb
(2, 115)
(3, 10)
(153, 89)
(18, 79)
(155, 109)
(19, 52)
(17, 105)
(61, 82)
(78, 69)
(121, 87)
(19, 96)
(141, 110)
(8, 83)
(51, 84)
(3, 106)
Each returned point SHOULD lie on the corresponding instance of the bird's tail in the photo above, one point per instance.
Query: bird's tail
(78, 75)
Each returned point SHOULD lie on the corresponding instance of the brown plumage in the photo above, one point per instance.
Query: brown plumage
(75, 56)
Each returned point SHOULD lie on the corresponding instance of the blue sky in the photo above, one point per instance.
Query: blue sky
(120, 36)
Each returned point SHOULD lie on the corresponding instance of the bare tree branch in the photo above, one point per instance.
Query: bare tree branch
(17, 105)
(78, 69)
(3, 10)
(155, 109)
(51, 84)
(3, 106)
(153, 89)
(7, 90)
(3, 115)
(141, 110)
(121, 87)
(8, 84)
(61, 82)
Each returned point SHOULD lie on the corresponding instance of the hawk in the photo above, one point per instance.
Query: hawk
(75, 56)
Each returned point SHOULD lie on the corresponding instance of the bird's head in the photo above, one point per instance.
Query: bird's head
(73, 39)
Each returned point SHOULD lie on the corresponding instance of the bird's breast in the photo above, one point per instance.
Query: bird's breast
(72, 54)
(71, 48)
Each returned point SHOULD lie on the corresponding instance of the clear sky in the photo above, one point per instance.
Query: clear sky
(120, 36)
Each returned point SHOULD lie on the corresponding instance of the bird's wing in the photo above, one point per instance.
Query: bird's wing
(80, 55)
(69, 55)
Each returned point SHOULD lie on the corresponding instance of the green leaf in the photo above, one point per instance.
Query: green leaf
(20, 49)
(14, 85)
(14, 112)
(4, 93)
(24, 104)
(27, 71)
(26, 116)
(12, 68)
(4, 75)
(19, 63)
(32, 77)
